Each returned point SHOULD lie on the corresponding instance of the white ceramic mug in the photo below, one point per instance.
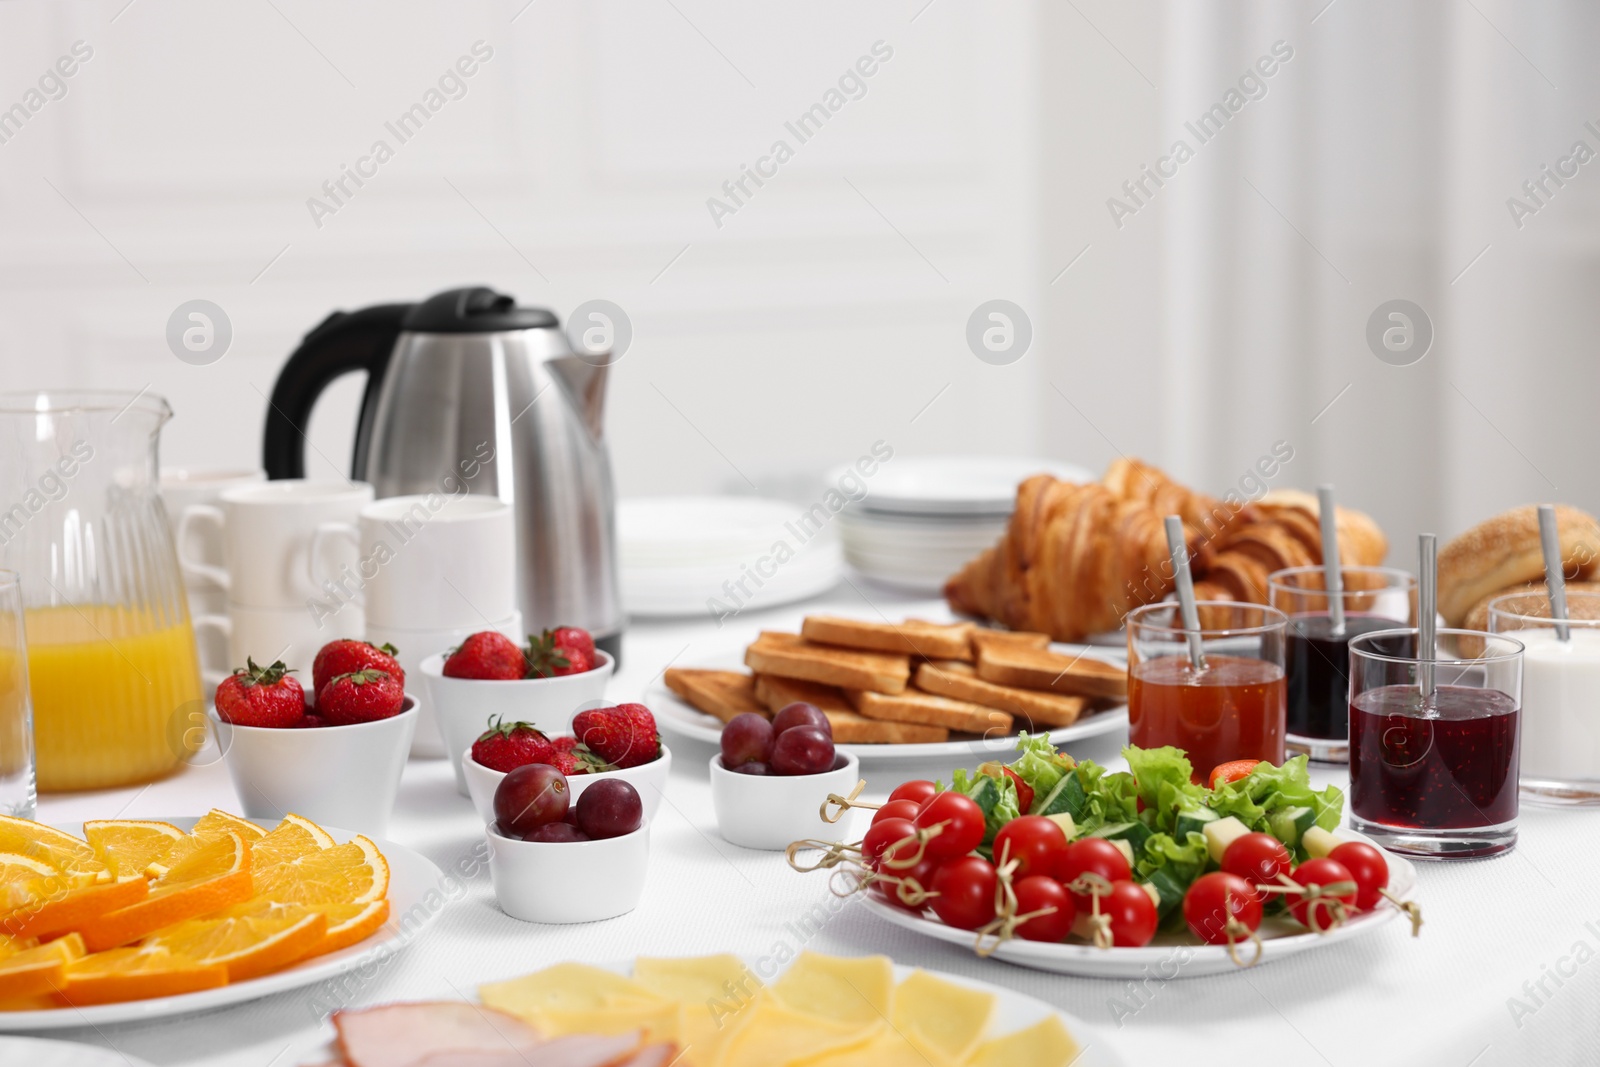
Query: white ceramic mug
(426, 562)
(266, 533)
(181, 489)
(414, 646)
(293, 635)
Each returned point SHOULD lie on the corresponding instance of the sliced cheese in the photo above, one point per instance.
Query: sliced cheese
(1318, 842)
(944, 1020)
(887, 1049)
(776, 1035)
(1221, 834)
(713, 994)
(1044, 1044)
(567, 987)
(851, 990)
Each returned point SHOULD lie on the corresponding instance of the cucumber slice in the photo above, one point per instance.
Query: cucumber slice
(1290, 824)
(986, 793)
(1067, 798)
(1194, 821)
(1318, 842)
(1222, 833)
(1169, 891)
(1134, 833)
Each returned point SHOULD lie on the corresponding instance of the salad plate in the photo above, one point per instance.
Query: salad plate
(417, 893)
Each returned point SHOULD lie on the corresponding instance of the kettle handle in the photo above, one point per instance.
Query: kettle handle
(343, 342)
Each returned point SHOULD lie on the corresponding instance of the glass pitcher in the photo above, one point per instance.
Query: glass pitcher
(111, 658)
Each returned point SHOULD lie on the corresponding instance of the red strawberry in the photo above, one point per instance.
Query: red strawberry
(624, 736)
(345, 656)
(261, 696)
(571, 763)
(360, 696)
(312, 721)
(564, 744)
(507, 746)
(548, 657)
(487, 655)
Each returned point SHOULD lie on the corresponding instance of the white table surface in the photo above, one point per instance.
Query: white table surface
(1443, 999)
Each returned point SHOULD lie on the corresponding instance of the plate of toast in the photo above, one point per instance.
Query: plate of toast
(903, 690)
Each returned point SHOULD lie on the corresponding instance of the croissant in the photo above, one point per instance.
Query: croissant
(1075, 559)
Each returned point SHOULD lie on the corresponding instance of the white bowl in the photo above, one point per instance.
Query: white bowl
(415, 646)
(648, 779)
(568, 881)
(344, 776)
(770, 811)
(463, 706)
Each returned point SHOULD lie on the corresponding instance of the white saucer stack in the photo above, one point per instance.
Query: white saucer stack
(924, 517)
(678, 554)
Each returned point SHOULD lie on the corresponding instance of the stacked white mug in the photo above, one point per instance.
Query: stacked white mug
(432, 569)
(274, 609)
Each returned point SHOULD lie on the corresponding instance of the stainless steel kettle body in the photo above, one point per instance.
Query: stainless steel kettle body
(474, 394)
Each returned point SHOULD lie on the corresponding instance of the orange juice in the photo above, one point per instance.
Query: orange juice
(114, 691)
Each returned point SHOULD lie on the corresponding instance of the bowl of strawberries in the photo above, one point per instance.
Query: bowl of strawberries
(613, 743)
(335, 759)
(489, 676)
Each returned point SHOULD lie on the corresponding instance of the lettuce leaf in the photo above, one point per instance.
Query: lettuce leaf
(1267, 789)
(1162, 776)
(1005, 808)
(1111, 797)
(1185, 860)
(1040, 764)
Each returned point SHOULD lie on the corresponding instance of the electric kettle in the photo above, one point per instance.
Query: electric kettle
(467, 392)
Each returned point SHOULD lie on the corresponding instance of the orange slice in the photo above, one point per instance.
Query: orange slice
(46, 844)
(209, 827)
(59, 906)
(208, 880)
(135, 974)
(247, 945)
(33, 972)
(350, 924)
(352, 873)
(128, 846)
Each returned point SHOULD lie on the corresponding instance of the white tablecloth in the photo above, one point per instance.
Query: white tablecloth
(1504, 972)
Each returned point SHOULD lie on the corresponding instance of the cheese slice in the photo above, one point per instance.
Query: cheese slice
(1044, 1044)
(887, 1049)
(942, 1019)
(851, 990)
(713, 994)
(660, 1022)
(567, 987)
(775, 1035)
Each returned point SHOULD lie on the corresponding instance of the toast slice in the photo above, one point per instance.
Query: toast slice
(1037, 668)
(961, 682)
(926, 708)
(981, 637)
(720, 693)
(849, 727)
(929, 639)
(792, 656)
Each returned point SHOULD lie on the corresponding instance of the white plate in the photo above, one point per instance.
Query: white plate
(1281, 938)
(411, 878)
(39, 1052)
(675, 717)
(955, 485)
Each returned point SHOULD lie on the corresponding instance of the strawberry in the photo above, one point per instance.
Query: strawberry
(507, 746)
(360, 696)
(564, 744)
(345, 656)
(487, 655)
(312, 721)
(261, 696)
(571, 763)
(624, 736)
(564, 650)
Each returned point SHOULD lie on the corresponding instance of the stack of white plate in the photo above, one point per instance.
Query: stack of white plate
(922, 518)
(676, 555)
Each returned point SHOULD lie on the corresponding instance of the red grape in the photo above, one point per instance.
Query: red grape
(752, 768)
(801, 714)
(609, 808)
(802, 750)
(557, 832)
(746, 739)
(529, 797)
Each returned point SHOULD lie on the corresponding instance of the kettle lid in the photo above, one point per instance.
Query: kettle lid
(474, 310)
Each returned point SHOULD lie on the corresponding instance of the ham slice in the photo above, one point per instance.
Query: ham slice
(574, 1050)
(406, 1035)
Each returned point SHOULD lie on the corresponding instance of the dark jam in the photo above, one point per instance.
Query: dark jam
(1318, 664)
(1452, 770)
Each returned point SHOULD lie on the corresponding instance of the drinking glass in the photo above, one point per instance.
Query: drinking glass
(1317, 656)
(1233, 707)
(1560, 695)
(16, 710)
(1434, 743)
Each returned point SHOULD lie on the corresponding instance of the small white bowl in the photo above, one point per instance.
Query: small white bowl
(770, 811)
(568, 881)
(463, 705)
(344, 776)
(649, 779)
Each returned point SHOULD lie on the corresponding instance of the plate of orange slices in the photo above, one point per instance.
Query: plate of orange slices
(122, 919)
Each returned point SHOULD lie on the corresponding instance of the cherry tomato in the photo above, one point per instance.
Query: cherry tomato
(1091, 855)
(962, 829)
(1036, 893)
(920, 875)
(1033, 841)
(896, 809)
(1213, 898)
(1369, 869)
(1258, 859)
(1323, 871)
(1133, 914)
(1024, 790)
(919, 791)
(885, 834)
(964, 892)
(1232, 771)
